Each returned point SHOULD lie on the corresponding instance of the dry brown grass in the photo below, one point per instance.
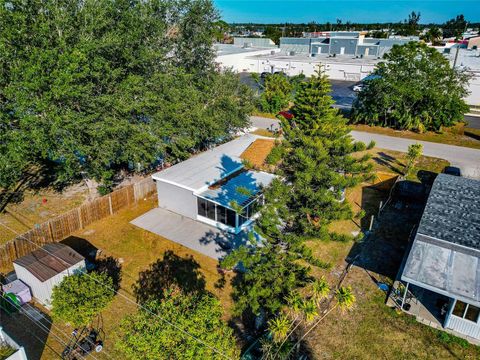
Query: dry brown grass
(136, 249)
(263, 132)
(258, 151)
(37, 207)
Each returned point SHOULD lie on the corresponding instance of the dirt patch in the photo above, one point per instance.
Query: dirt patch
(258, 151)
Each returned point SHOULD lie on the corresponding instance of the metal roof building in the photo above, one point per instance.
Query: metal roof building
(445, 255)
(210, 187)
(42, 269)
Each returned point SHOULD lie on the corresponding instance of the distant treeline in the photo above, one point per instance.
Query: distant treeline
(410, 26)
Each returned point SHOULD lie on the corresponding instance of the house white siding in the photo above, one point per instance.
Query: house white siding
(463, 326)
(177, 199)
(42, 291)
(17, 355)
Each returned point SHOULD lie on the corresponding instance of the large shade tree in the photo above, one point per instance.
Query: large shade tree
(198, 332)
(414, 88)
(91, 87)
(79, 298)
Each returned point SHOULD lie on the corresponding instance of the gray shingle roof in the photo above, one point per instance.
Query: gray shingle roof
(50, 260)
(452, 212)
(445, 255)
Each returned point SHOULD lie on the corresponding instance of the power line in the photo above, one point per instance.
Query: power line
(48, 331)
(36, 337)
(66, 335)
(42, 327)
(129, 300)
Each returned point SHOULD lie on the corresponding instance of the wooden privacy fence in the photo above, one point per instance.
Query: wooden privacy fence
(62, 226)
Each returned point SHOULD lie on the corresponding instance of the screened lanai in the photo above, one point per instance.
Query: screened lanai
(233, 202)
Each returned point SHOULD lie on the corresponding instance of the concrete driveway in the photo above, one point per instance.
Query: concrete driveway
(192, 234)
(467, 159)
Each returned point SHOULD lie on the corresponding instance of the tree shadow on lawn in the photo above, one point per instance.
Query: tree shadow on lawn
(389, 162)
(381, 252)
(30, 331)
(171, 270)
(106, 265)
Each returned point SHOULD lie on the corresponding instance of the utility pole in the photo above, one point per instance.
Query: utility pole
(456, 57)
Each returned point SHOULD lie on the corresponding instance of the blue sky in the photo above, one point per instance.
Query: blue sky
(270, 11)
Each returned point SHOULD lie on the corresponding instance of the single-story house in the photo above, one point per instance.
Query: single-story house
(42, 269)
(443, 265)
(214, 187)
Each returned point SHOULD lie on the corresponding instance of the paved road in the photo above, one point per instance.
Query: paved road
(467, 159)
(473, 121)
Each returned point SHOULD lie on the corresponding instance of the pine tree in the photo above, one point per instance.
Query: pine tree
(319, 164)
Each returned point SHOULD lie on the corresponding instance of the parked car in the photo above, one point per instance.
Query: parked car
(358, 87)
(452, 170)
(361, 85)
(286, 114)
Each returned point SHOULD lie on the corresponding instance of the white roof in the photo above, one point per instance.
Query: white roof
(202, 170)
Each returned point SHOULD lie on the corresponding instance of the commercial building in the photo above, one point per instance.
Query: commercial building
(214, 187)
(236, 57)
(441, 274)
(256, 42)
(469, 60)
(337, 68)
(45, 268)
(341, 43)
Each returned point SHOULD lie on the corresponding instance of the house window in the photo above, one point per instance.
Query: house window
(466, 311)
(221, 214)
(231, 218)
(202, 207)
(216, 212)
(472, 313)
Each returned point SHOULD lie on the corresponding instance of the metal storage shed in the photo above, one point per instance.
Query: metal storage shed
(42, 269)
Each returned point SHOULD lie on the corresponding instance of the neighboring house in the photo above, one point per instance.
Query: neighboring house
(214, 187)
(42, 269)
(442, 272)
(19, 351)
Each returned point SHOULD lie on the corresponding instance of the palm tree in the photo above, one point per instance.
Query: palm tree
(294, 301)
(433, 34)
(320, 290)
(279, 327)
(345, 300)
(310, 310)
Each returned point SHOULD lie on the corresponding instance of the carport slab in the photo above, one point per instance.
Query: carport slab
(192, 234)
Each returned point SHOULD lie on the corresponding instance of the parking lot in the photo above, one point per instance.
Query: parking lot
(342, 91)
